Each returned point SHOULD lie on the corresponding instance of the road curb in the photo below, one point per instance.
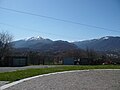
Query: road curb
(26, 79)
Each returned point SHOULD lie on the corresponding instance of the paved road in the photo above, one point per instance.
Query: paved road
(87, 80)
(10, 69)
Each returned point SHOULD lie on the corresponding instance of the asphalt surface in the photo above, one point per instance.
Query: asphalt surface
(86, 80)
(10, 69)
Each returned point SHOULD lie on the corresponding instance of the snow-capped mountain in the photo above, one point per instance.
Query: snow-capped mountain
(28, 42)
(41, 44)
(101, 44)
(34, 38)
(105, 38)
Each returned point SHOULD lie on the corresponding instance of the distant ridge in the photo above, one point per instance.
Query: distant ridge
(107, 43)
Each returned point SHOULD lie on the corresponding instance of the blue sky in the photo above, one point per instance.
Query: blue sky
(102, 13)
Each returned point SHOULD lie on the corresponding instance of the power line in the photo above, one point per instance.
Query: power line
(29, 29)
(53, 18)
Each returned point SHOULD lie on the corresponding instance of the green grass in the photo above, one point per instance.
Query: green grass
(20, 74)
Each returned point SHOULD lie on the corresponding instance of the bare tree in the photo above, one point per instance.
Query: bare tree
(5, 45)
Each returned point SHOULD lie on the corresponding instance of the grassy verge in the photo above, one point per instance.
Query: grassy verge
(20, 74)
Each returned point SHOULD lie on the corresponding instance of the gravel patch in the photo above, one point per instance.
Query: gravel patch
(86, 80)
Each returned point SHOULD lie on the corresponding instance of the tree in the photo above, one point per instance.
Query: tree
(5, 46)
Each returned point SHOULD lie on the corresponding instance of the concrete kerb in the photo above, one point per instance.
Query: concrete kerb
(26, 79)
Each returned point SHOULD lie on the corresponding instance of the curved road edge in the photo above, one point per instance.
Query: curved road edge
(26, 79)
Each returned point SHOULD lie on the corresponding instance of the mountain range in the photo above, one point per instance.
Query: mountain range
(108, 43)
(41, 44)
